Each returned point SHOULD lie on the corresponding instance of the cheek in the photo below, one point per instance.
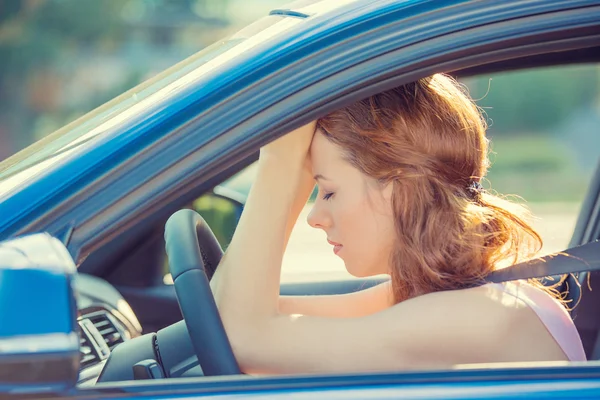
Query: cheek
(367, 235)
(348, 219)
(374, 220)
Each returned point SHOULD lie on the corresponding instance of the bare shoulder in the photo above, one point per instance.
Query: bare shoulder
(483, 324)
(479, 301)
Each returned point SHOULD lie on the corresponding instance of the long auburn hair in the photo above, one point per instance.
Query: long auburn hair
(428, 139)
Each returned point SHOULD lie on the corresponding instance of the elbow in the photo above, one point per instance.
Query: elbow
(248, 340)
(250, 333)
(243, 352)
(249, 350)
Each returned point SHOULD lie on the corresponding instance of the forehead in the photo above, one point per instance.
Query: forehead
(324, 152)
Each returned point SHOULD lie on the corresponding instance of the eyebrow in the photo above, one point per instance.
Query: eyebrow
(319, 176)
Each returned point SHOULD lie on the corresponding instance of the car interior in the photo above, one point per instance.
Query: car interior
(123, 292)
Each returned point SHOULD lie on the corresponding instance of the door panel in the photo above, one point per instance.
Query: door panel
(503, 382)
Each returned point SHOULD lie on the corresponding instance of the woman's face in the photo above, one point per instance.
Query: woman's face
(353, 209)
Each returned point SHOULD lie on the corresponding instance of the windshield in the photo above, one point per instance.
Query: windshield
(91, 126)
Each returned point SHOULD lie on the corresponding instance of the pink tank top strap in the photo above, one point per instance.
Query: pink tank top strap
(552, 314)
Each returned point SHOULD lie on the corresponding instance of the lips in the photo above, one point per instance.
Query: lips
(336, 246)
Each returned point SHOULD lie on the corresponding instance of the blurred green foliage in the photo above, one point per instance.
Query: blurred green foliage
(34, 34)
(536, 168)
(221, 214)
(535, 101)
(42, 43)
(536, 120)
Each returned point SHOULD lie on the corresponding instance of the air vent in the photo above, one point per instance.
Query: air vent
(107, 328)
(87, 351)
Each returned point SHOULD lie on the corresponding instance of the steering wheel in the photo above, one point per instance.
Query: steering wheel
(194, 253)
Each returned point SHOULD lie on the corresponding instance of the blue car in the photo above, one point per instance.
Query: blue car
(84, 311)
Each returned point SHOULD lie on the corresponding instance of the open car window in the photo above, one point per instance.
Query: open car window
(545, 144)
(544, 150)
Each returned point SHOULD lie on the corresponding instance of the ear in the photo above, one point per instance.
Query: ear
(387, 191)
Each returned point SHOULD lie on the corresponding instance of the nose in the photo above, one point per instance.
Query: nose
(318, 217)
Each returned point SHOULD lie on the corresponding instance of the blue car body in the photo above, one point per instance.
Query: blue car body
(131, 163)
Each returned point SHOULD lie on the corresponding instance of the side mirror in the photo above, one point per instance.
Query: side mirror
(221, 209)
(39, 342)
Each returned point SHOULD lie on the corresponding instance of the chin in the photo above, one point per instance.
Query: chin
(359, 272)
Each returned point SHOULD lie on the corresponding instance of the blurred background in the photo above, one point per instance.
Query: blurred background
(60, 59)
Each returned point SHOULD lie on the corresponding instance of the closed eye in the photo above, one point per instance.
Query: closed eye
(327, 196)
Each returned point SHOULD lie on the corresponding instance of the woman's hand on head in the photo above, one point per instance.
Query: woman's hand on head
(286, 163)
(293, 147)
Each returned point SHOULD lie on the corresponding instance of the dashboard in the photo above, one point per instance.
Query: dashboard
(105, 320)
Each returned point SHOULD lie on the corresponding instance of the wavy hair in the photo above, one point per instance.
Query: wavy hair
(428, 139)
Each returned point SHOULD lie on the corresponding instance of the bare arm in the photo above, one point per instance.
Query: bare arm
(355, 304)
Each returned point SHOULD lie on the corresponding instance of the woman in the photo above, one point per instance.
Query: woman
(399, 194)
